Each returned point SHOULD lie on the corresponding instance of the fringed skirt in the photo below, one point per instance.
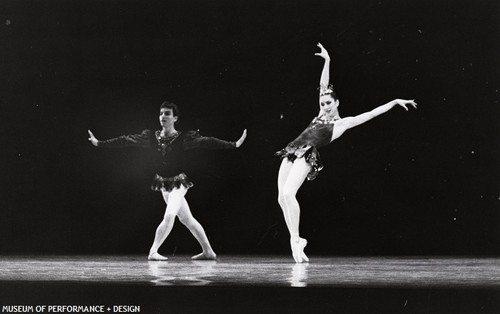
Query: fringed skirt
(309, 153)
(170, 183)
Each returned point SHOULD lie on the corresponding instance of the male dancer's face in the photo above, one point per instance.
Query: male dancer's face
(167, 117)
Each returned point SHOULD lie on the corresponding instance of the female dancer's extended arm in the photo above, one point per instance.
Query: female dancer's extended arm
(350, 122)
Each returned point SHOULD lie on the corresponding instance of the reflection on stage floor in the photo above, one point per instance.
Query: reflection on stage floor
(272, 271)
(255, 284)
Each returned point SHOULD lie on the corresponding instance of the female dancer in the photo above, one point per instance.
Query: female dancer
(168, 144)
(300, 158)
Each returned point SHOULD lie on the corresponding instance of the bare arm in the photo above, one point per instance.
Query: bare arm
(350, 122)
(325, 73)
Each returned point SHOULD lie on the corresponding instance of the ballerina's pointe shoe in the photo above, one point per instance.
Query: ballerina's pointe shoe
(298, 246)
(302, 245)
(157, 257)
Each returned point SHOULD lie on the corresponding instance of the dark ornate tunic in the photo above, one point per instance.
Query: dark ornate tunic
(168, 152)
(317, 134)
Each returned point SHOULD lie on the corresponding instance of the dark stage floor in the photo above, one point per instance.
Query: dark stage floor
(255, 284)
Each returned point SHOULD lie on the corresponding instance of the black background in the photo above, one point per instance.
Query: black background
(417, 182)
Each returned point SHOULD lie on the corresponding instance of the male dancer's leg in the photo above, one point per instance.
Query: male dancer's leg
(173, 199)
(197, 230)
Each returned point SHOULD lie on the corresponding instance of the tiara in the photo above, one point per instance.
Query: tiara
(325, 90)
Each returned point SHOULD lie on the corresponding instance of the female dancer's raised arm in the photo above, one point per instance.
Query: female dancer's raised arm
(327, 99)
(325, 73)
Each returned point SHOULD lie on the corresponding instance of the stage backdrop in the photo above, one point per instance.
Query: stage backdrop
(419, 182)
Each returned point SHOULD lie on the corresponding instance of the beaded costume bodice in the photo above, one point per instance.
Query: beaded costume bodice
(165, 142)
(318, 133)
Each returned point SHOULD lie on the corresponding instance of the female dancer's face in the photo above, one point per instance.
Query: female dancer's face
(328, 105)
(167, 117)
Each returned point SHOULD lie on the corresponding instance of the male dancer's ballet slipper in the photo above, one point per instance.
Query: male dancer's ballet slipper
(157, 257)
(204, 257)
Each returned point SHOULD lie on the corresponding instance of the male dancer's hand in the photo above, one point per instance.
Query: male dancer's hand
(92, 139)
(241, 140)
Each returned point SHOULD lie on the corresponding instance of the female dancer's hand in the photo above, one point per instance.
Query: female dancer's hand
(92, 139)
(241, 140)
(323, 54)
(403, 103)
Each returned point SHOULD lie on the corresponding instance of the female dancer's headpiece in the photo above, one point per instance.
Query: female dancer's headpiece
(326, 90)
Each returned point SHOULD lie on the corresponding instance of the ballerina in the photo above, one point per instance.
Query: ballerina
(301, 159)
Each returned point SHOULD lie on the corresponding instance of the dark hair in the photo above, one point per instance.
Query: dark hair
(327, 90)
(333, 94)
(170, 105)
